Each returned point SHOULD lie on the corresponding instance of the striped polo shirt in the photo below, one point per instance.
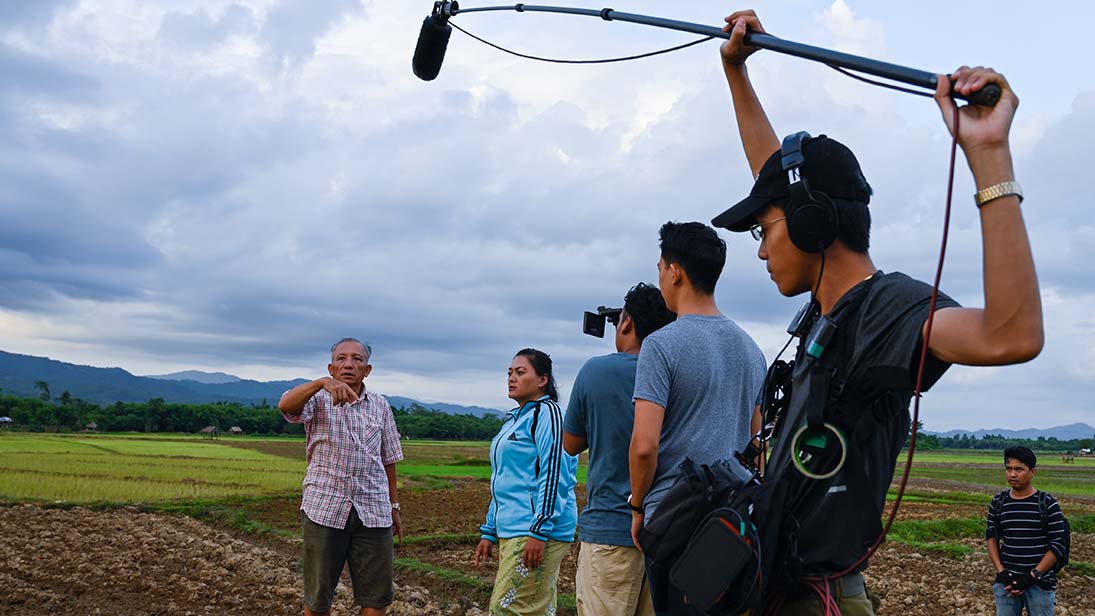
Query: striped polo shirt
(1024, 539)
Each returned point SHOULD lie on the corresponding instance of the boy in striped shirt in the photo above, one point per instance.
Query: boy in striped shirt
(1025, 532)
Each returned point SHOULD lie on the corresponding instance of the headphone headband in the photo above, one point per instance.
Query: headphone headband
(791, 156)
(812, 220)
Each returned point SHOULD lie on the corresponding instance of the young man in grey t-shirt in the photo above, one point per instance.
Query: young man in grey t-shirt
(696, 384)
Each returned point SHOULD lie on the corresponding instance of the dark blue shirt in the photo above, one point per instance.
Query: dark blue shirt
(601, 410)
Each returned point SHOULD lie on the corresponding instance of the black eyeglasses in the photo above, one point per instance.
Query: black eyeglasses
(757, 230)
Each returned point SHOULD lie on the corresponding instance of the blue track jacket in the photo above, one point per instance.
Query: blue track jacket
(524, 502)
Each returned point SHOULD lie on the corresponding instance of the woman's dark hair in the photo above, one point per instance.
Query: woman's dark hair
(541, 363)
(1022, 454)
(646, 307)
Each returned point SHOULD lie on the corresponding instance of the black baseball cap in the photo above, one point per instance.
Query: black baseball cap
(829, 167)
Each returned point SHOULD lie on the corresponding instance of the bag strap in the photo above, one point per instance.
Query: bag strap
(998, 504)
(831, 385)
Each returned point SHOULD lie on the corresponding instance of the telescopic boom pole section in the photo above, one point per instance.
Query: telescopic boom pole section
(987, 96)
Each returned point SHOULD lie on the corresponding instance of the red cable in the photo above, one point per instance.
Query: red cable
(919, 377)
(923, 355)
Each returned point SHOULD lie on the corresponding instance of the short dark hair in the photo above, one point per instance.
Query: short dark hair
(541, 364)
(854, 228)
(1022, 454)
(697, 249)
(646, 307)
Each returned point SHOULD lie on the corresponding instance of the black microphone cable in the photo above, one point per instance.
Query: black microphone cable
(600, 61)
(659, 52)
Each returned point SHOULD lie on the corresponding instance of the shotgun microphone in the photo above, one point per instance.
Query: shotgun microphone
(433, 40)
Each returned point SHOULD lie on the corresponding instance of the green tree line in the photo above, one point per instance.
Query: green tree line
(66, 413)
(997, 442)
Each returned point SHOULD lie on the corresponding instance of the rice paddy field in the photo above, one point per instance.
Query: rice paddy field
(127, 469)
(186, 495)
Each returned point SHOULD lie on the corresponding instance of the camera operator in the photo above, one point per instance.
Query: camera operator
(611, 577)
(883, 317)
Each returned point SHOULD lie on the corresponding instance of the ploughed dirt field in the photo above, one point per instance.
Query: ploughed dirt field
(84, 561)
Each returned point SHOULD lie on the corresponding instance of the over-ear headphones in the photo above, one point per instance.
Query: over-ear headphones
(812, 220)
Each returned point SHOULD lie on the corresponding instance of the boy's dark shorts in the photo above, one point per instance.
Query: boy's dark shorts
(369, 552)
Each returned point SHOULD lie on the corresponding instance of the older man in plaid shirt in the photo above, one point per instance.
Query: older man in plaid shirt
(350, 510)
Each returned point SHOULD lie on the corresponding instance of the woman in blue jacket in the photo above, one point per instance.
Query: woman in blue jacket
(532, 513)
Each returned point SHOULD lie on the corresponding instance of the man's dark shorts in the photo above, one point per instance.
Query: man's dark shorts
(369, 552)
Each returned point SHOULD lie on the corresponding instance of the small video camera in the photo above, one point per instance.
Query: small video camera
(593, 324)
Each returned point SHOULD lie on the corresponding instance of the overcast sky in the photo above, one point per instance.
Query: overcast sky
(232, 186)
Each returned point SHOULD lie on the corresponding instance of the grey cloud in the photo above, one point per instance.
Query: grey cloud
(26, 74)
(1054, 178)
(447, 227)
(56, 244)
(78, 202)
(291, 28)
(31, 13)
(200, 29)
(31, 286)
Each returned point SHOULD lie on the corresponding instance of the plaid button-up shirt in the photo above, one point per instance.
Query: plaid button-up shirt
(348, 447)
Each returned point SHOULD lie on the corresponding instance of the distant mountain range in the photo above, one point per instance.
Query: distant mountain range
(209, 378)
(1061, 433)
(19, 373)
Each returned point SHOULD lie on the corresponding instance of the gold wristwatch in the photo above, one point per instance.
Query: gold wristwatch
(1003, 189)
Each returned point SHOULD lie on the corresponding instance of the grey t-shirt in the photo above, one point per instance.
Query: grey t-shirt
(602, 410)
(707, 373)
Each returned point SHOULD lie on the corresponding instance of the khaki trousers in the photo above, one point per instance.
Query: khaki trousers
(611, 581)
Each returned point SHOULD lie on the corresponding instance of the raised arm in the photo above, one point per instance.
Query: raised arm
(293, 401)
(1008, 329)
(757, 136)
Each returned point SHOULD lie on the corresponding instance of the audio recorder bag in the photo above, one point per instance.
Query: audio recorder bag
(716, 562)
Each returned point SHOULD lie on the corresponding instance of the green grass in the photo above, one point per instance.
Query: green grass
(937, 530)
(102, 469)
(413, 564)
(1080, 568)
(979, 499)
(135, 468)
(942, 536)
(938, 536)
(1045, 459)
(1081, 523)
(984, 470)
(440, 470)
(441, 452)
(1079, 482)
